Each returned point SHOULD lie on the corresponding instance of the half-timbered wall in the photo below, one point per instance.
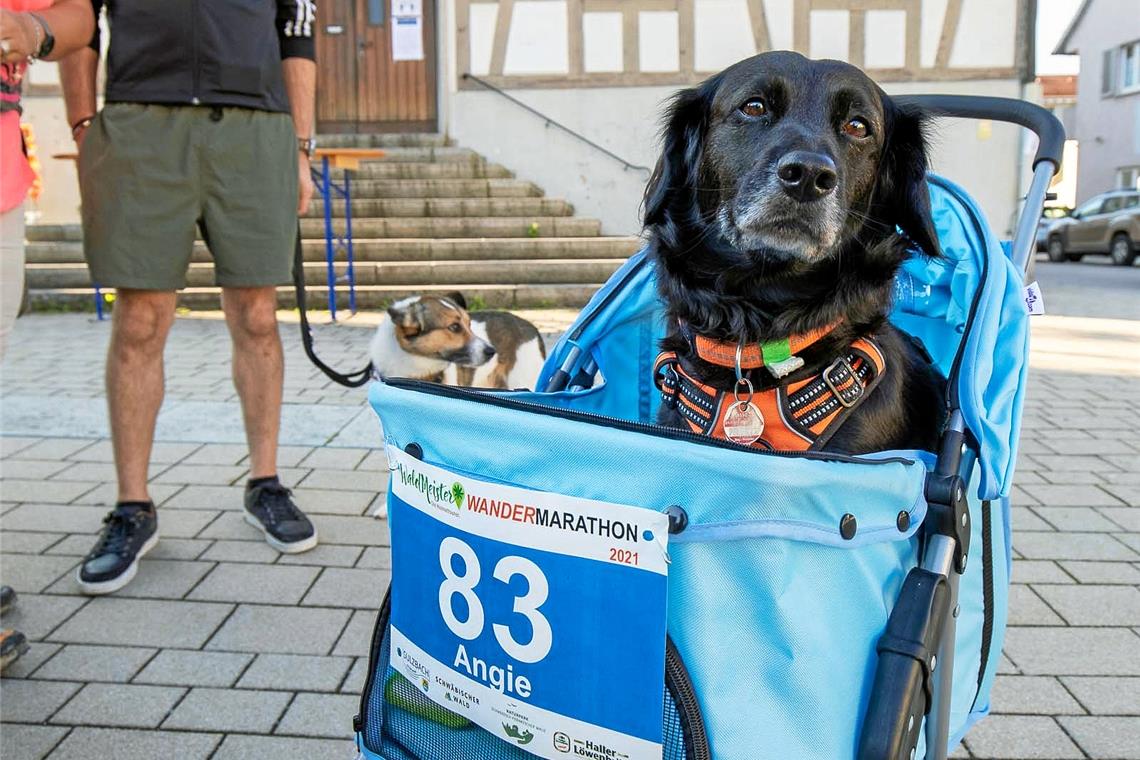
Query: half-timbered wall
(603, 43)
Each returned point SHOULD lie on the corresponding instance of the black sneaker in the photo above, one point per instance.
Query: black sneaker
(129, 532)
(7, 598)
(270, 507)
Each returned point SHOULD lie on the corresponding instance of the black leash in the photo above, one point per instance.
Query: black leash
(352, 379)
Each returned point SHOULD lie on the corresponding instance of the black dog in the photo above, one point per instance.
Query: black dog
(788, 193)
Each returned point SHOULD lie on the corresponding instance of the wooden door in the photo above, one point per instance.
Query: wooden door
(360, 87)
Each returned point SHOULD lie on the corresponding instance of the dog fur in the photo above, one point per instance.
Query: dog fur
(747, 249)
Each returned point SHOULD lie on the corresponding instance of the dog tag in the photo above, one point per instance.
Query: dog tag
(743, 423)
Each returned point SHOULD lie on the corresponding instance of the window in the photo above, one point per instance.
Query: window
(1128, 178)
(1131, 201)
(1089, 208)
(1120, 70)
(1108, 72)
(1130, 67)
(1112, 205)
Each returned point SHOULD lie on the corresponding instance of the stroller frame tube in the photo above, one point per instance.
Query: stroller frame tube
(1025, 239)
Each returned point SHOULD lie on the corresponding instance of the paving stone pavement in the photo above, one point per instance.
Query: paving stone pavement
(223, 648)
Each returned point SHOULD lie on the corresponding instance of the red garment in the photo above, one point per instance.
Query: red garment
(16, 176)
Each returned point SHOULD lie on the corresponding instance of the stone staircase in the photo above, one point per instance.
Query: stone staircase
(427, 217)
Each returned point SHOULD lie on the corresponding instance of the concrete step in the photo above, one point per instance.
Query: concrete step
(370, 297)
(385, 140)
(444, 188)
(54, 233)
(444, 207)
(409, 249)
(390, 169)
(423, 154)
(462, 227)
(406, 227)
(411, 273)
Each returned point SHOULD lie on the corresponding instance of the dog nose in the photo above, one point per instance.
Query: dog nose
(807, 176)
(488, 352)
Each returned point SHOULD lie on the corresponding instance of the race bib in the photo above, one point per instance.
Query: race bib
(536, 616)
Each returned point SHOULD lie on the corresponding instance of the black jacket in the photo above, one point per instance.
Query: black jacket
(204, 52)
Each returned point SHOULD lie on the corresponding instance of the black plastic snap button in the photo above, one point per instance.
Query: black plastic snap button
(678, 518)
(847, 526)
(902, 522)
(215, 114)
(414, 450)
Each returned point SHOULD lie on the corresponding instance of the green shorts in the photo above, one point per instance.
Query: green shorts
(150, 174)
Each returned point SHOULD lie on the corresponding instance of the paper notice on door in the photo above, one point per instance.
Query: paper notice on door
(407, 30)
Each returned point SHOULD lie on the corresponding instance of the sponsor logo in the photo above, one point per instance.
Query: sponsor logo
(596, 751)
(561, 742)
(440, 495)
(512, 731)
(418, 667)
(424, 684)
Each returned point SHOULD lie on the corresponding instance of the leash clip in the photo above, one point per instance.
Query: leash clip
(741, 379)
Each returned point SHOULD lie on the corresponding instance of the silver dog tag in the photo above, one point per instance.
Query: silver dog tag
(743, 424)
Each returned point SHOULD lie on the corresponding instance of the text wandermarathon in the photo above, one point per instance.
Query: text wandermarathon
(552, 518)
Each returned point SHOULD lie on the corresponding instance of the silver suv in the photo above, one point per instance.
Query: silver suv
(1108, 223)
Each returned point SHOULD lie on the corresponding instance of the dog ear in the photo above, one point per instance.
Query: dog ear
(675, 177)
(903, 197)
(456, 298)
(406, 316)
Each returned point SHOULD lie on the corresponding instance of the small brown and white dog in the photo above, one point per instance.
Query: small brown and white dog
(434, 338)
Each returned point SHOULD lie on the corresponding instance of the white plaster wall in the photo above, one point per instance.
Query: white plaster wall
(984, 159)
(1108, 129)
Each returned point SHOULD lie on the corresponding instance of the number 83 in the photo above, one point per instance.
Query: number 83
(464, 585)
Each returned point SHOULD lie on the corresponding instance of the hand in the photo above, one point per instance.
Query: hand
(18, 36)
(304, 183)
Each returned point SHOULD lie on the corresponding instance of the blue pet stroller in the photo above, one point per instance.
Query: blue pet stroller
(659, 594)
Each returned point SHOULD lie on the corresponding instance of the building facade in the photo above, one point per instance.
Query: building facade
(499, 76)
(1106, 35)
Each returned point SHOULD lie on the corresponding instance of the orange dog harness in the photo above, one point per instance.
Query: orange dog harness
(798, 416)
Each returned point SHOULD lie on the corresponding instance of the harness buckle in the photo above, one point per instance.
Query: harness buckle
(836, 373)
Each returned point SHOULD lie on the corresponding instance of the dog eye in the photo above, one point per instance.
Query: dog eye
(754, 108)
(856, 128)
(455, 328)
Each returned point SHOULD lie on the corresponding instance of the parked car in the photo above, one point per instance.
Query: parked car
(1049, 216)
(1108, 223)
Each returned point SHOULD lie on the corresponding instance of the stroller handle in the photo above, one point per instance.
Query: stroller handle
(1046, 126)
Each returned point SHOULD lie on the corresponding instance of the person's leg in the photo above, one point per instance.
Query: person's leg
(258, 371)
(11, 270)
(141, 200)
(249, 220)
(135, 382)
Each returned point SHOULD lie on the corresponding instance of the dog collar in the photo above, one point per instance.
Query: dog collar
(779, 356)
(799, 416)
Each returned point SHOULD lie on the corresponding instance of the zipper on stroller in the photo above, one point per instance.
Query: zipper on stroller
(493, 398)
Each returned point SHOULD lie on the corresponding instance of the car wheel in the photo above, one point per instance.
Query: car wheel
(1122, 251)
(1056, 249)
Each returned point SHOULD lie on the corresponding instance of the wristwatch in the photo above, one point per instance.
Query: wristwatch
(47, 44)
(307, 145)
